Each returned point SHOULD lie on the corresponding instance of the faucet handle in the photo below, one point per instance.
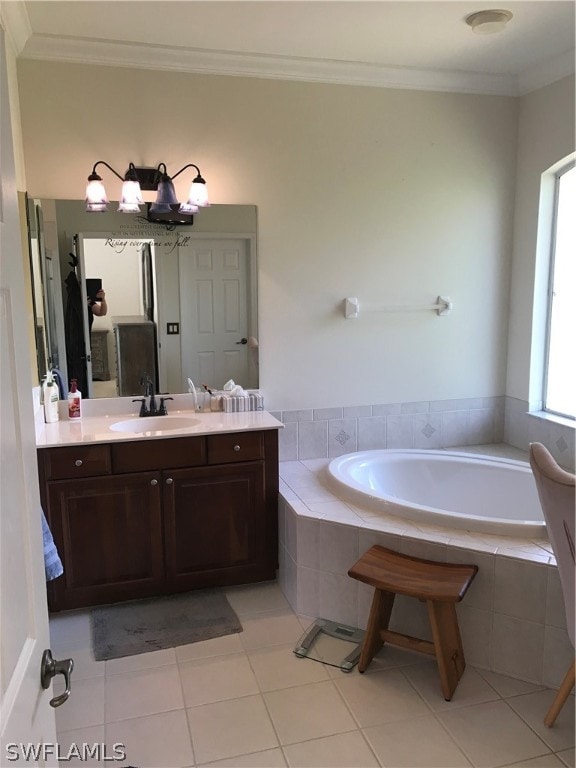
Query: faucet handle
(162, 411)
(142, 401)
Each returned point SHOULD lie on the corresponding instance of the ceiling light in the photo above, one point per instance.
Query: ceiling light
(135, 179)
(488, 22)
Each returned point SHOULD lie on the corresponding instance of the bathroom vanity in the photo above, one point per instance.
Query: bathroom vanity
(134, 517)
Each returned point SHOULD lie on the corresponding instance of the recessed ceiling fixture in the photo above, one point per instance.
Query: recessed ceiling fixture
(488, 22)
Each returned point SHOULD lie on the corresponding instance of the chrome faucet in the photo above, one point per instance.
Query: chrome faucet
(151, 409)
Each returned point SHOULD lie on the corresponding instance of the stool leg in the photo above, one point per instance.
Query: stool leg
(447, 644)
(561, 696)
(382, 604)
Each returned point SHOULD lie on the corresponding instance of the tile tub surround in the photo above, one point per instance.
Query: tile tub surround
(522, 427)
(329, 432)
(512, 619)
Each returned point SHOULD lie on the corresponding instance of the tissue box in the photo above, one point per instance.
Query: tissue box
(254, 401)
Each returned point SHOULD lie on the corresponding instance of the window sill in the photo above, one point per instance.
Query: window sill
(546, 416)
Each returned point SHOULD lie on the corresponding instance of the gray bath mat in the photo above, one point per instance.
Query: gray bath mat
(140, 626)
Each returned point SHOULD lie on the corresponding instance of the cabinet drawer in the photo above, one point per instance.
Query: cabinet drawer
(144, 455)
(76, 461)
(238, 446)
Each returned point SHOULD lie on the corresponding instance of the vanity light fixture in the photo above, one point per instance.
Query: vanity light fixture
(488, 22)
(137, 179)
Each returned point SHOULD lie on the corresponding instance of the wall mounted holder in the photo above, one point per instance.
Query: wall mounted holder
(443, 306)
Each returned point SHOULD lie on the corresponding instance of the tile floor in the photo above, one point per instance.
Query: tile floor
(246, 700)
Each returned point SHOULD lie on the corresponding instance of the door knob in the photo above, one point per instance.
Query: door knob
(50, 668)
(242, 341)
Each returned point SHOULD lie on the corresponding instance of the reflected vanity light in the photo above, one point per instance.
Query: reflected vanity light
(138, 178)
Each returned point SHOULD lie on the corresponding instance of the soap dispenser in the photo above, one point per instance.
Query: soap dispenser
(74, 401)
(50, 397)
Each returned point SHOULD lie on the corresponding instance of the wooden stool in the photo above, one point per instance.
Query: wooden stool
(441, 585)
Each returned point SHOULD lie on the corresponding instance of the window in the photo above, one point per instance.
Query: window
(560, 368)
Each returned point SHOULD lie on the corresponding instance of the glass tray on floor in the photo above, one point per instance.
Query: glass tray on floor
(337, 645)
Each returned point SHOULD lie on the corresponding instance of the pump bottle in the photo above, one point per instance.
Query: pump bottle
(74, 401)
(50, 399)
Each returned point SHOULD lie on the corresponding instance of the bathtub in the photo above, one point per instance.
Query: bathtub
(459, 490)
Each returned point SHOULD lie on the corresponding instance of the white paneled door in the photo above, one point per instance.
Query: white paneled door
(27, 721)
(214, 311)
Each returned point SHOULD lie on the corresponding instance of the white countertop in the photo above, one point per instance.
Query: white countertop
(99, 415)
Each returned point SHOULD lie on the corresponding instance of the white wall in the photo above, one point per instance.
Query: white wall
(388, 195)
(545, 136)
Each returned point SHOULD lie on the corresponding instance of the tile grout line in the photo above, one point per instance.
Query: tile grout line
(270, 718)
(188, 728)
(359, 726)
(550, 749)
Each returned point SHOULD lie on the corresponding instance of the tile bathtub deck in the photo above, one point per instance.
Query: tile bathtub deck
(246, 700)
(303, 484)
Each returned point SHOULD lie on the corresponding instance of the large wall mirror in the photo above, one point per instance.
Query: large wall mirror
(181, 300)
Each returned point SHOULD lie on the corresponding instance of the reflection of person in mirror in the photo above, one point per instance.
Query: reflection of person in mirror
(97, 307)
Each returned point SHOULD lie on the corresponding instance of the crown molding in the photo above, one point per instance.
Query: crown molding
(546, 73)
(16, 23)
(163, 58)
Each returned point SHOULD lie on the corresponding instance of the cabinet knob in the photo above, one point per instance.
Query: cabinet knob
(169, 481)
(78, 462)
(153, 482)
(236, 447)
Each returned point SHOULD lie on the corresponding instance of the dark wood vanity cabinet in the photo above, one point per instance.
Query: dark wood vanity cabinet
(151, 517)
(214, 530)
(108, 531)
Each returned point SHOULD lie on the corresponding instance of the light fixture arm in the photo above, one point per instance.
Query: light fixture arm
(159, 171)
(94, 175)
(190, 165)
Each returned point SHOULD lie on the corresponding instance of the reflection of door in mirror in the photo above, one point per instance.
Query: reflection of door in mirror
(207, 305)
(121, 345)
(214, 312)
(46, 293)
(42, 352)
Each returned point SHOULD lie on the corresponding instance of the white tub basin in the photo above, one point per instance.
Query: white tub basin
(461, 490)
(143, 424)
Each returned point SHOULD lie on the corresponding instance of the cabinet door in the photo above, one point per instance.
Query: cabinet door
(215, 530)
(108, 531)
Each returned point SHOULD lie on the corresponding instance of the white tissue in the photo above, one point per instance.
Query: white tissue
(233, 389)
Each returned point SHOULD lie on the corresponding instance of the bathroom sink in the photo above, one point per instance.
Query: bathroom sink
(139, 425)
